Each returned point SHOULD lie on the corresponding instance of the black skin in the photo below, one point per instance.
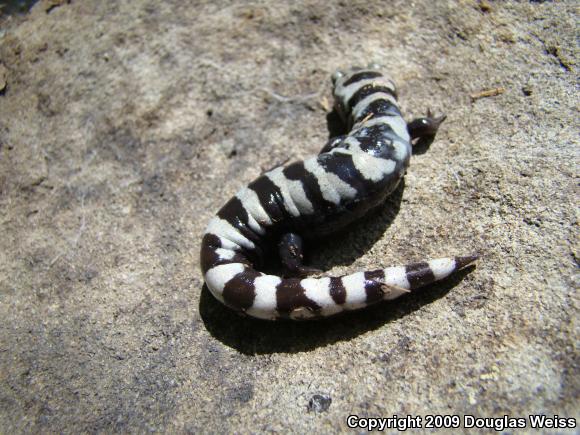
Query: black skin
(291, 246)
(291, 251)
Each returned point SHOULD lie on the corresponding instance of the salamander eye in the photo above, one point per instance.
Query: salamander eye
(336, 75)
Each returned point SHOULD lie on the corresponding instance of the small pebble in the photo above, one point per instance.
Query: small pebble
(484, 6)
(319, 403)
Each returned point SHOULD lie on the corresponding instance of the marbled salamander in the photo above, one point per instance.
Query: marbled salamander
(352, 174)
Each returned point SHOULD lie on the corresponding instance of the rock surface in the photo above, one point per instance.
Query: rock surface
(125, 125)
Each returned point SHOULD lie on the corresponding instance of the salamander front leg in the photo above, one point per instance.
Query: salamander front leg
(425, 129)
(332, 143)
(291, 253)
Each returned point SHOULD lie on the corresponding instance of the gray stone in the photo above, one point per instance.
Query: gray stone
(125, 125)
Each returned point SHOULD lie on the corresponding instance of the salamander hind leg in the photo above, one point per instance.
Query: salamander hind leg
(291, 251)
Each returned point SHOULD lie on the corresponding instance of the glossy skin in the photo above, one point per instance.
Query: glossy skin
(315, 197)
(377, 142)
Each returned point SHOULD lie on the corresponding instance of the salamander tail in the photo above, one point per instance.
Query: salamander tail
(234, 281)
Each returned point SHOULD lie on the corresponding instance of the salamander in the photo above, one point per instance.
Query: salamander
(288, 205)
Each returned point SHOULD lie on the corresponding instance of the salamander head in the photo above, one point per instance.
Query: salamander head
(338, 74)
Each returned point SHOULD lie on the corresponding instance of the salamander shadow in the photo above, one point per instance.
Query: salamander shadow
(255, 337)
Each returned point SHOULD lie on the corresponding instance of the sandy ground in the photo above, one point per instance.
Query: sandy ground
(125, 125)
